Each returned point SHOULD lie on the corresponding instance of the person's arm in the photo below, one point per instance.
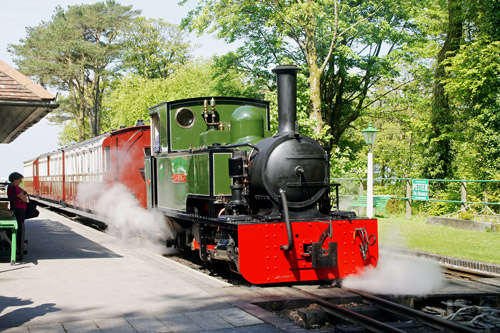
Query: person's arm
(22, 195)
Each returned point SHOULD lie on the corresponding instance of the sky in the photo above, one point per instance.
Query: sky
(15, 16)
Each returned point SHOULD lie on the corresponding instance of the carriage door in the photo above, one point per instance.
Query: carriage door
(150, 177)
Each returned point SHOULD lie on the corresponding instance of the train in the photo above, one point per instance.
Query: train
(234, 191)
(230, 189)
(114, 157)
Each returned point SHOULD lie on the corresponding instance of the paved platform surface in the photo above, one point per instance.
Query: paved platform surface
(76, 279)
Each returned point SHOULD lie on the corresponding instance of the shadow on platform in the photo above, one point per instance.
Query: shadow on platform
(23, 314)
(48, 239)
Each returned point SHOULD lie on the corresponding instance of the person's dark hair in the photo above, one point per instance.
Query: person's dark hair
(15, 175)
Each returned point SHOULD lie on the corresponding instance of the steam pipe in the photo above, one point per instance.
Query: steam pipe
(289, 231)
(286, 79)
(236, 145)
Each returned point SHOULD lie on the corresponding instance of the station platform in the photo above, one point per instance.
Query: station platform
(77, 279)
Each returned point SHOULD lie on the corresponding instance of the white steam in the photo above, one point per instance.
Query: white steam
(125, 218)
(397, 274)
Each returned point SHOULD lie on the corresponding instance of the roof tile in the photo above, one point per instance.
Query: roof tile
(16, 86)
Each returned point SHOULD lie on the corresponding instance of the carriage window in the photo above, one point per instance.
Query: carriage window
(82, 165)
(185, 117)
(107, 158)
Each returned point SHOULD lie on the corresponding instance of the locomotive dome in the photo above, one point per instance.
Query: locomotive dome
(247, 125)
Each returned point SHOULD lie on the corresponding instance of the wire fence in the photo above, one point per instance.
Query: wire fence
(448, 194)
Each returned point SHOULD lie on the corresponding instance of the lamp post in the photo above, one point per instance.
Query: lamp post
(370, 134)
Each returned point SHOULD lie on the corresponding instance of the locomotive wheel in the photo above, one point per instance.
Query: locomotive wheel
(181, 244)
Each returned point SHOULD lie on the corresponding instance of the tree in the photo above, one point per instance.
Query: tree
(154, 49)
(344, 46)
(131, 97)
(76, 52)
(439, 154)
(472, 83)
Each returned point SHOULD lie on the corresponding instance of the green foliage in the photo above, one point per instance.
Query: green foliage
(404, 118)
(131, 97)
(154, 49)
(306, 124)
(338, 44)
(465, 122)
(64, 112)
(229, 81)
(69, 134)
(473, 83)
(466, 215)
(64, 116)
(344, 164)
(361, 61)
(76, 51)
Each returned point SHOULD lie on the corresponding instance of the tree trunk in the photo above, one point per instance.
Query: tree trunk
(80, 122)
(94, 119)
(440, 154)
(78, 109)
(315, 90)
(79, 117)
(315, 73)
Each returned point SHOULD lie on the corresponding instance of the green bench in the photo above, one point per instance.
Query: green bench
(379, 202)
(12, 225)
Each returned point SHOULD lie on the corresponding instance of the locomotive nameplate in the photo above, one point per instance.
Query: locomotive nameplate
(179, 170)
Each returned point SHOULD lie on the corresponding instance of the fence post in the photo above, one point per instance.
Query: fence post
(408, 201)
(463, 196)
(361, 209)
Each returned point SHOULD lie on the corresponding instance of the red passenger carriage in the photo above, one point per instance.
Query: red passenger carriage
(113, 157)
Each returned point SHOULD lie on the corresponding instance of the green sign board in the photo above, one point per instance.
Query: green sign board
(420, 189)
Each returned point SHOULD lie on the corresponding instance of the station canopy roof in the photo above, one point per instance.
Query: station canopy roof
(23, 103)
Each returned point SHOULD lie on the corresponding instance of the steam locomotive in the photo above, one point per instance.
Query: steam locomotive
(233, 191)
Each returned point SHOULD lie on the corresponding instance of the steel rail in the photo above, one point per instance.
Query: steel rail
(477, 268)
(427, 319)
(369, 323)
(466, 272)
(433, 180)
(356, 318)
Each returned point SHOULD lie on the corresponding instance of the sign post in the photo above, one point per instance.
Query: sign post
(420, 189)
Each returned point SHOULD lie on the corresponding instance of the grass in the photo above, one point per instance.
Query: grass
(417, 235)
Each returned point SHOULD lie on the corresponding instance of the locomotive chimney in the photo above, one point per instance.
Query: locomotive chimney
(286, 79)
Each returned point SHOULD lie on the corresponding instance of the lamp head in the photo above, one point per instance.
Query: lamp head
(370, 134)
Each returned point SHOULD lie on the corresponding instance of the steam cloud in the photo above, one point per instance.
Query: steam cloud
(396, 274)
(126, 219)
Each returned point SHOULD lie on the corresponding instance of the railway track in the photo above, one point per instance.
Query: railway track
(373, 313)
(452, 267)
(465, 274)
(376, 314)
(462, 267)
